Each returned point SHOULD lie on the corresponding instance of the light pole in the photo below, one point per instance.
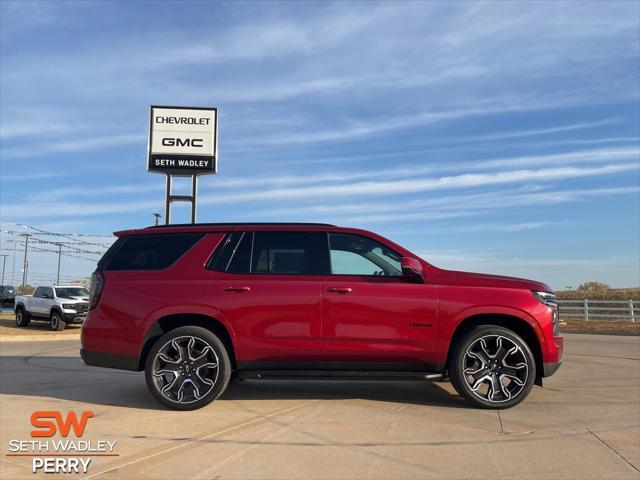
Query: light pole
(24, 265)
(4, 260)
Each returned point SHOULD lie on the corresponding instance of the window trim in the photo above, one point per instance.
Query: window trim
(235, 250)
(211, 261)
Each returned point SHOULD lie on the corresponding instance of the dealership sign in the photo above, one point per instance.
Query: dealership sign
(183, 140)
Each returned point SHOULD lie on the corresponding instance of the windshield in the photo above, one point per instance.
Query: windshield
(69, 292)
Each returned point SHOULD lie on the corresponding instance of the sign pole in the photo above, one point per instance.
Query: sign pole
(167, 201)
(194, 194)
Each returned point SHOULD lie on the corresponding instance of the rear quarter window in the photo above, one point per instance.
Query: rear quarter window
(149, 252)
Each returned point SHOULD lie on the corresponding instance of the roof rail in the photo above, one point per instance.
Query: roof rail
(232, 224)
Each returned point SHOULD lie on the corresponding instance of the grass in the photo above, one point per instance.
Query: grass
(600, 328)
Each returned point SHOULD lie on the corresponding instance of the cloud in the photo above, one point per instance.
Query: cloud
(398, 180)
(377, 188)
(497, 227)
(438, 207)
(467, 56)
(80, 144)
(539, 131)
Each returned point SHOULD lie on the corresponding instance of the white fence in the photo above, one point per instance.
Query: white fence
(600, 310)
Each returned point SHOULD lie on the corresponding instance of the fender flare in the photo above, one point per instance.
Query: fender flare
(153, 327)
(497, 310)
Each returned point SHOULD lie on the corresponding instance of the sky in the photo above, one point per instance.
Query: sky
(501, 137)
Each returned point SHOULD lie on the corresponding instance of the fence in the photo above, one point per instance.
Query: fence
(601, 310)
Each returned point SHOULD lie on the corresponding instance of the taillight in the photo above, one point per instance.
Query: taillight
(95, 290)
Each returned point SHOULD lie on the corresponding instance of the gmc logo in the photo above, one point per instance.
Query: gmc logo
(179, 142)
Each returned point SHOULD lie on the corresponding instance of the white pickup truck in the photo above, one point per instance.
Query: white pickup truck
(57, 304)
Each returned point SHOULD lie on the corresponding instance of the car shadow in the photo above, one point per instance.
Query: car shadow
(66, 378)
(394, 391)
(35, 326)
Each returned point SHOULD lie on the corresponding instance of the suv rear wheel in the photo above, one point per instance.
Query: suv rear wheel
(55, 322)
(22, 317)
(187, 368)
(493, 367)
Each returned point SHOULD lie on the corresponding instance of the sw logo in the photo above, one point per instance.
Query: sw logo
(45, 425)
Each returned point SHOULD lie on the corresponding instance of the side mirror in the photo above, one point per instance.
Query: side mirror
(412, 269)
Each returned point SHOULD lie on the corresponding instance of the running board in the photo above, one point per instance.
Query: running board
(334, 375)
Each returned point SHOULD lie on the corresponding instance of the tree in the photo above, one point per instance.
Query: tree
(28, 290)
(594, 287)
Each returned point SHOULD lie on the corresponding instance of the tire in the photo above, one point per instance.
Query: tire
(187, 368)
(56, 323)
(492, 367)
(22, 318)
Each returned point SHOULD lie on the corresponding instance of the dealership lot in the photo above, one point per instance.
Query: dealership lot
(585, 423)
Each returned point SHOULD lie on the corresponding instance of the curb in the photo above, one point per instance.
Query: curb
(38, 338)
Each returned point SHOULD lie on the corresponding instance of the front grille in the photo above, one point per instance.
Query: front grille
(81, 307)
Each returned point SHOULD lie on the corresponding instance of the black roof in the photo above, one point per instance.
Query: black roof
(233, 224)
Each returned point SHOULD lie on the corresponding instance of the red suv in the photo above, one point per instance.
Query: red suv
(194, 305)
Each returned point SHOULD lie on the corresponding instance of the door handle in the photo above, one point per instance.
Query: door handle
(340, 289)
(237, 289)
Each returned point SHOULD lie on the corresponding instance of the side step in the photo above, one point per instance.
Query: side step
(334, 375)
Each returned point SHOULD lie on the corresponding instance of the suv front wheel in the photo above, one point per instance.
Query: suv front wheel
(493, 367)
(187, 368)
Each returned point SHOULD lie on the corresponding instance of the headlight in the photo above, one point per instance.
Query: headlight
(69, 306)
(549, 299)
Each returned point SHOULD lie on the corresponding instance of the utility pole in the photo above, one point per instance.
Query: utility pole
(24, 265)
(13, 262)
(4, 260)
(59, 256)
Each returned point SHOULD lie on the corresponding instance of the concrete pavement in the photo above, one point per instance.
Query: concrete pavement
(585, 423)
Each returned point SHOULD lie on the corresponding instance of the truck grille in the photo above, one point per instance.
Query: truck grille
(81, 307)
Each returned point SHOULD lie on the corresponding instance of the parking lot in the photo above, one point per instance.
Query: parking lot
(584, 424)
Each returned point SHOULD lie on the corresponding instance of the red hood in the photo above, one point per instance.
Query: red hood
(451, 277)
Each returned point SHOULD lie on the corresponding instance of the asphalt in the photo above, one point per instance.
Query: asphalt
(584, 424)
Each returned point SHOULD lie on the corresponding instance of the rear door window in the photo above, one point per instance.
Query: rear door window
(290, 253)
(283, 253)
(151, 252)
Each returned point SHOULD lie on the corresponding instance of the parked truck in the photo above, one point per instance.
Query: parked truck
(56, 304)
(7, 295)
